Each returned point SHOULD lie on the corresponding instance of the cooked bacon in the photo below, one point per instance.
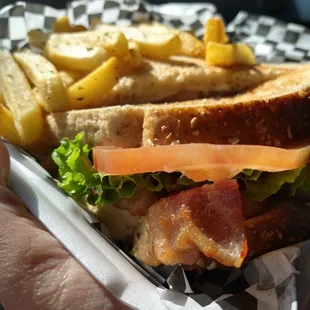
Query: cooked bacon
(139, 205)
(287, 223)
(252, 209)
(205, 221)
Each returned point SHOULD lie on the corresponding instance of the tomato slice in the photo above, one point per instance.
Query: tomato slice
(198, 161)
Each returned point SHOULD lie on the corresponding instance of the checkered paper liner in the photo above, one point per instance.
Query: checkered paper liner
(267, 283)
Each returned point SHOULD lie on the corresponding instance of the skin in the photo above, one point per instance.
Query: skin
(36, 272)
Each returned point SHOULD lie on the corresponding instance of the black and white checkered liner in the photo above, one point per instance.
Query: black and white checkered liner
(17, 20)
(273, 40)
(269, 282)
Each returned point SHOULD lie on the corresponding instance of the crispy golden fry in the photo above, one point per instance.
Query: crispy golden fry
(113, 42)
(1, 98)
(98, 26)
(135, 59)
(215, 31)
(244, 55)
(89, 90)
(222, 55)
(37, 38)
(38, 96)
(70, 77)
(62, 25)
(74, 57)
(154, 45)
(7, 127)
(226, 55)
(190, 45)
(20, 100)
(45, 77)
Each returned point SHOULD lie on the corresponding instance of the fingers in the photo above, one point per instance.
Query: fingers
(36, 272)
(4, 163)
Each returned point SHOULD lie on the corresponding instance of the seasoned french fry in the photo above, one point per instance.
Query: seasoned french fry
(226, 55)
(7, 127)
(112, 41)
(70, 77)
(37, 38)
(78, 58)
(154, 45)
(1, 98)
(190, 45)
(98, 26)
(134, 54)
(62, 25)
(20, 100)
(244, 55)
(89, 90)
(43, 75)
(215, 31)
(38, 96)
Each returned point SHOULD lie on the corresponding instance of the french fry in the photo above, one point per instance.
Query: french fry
(37, 38)
(62, 25)
(154, 45)
(74, 57)
(88, 91)
(7, 127)
(244, 55)
(113, 42)
(20, 100)
(38, 96)
(43, 75)
(226, 55)
(70, 77)
(135, 57)
(190, 45)
(132, 58)
(215, 31)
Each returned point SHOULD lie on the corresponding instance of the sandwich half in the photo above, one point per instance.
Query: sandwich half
(192, 182)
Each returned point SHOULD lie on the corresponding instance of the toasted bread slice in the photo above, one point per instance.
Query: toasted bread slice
(275, 113)
(113, 126)
(184, 79)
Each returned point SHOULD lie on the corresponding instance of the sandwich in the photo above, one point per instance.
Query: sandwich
(188, 152)
(193, 182)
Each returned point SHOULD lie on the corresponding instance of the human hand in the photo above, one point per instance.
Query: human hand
(36, 272)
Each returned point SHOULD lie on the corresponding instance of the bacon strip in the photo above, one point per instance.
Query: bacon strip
(205, 221)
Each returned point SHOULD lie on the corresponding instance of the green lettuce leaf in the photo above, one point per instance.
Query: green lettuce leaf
(77, 177)
(261, 185)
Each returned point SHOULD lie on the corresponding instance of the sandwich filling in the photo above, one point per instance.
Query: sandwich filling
(189, 197)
